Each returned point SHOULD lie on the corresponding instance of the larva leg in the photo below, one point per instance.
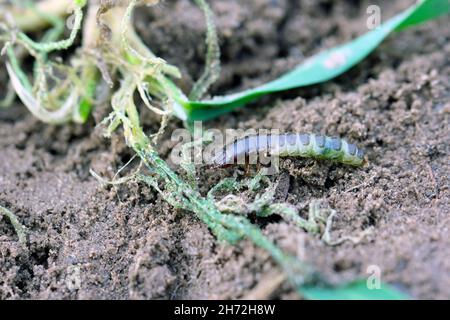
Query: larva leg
(258, 167)
(247, 169)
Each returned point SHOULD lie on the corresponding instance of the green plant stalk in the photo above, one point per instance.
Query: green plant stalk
(19, 72)
(46, 47)
(8, 99)
(50, 36)
(212, 65)
(90, 78)
(356, 290)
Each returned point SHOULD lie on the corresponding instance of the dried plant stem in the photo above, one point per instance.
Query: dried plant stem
(212, 63)
(20, 230)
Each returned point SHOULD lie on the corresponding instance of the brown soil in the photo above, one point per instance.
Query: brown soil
(127, 242)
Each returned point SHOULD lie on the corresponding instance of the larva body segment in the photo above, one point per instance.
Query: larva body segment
(247, 150)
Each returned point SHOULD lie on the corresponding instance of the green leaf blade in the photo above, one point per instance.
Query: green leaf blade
(357, 290)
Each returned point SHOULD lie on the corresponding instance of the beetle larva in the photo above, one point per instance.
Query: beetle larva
(290, 145)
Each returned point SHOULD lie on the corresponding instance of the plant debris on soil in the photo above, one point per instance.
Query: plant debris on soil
(89, 241)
